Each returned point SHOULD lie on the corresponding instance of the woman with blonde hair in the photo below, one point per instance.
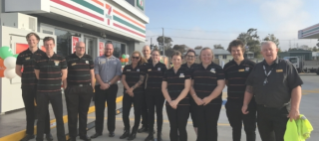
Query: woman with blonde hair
(208, 83)
(132, 79)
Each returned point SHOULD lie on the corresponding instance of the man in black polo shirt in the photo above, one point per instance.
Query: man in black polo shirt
(79, 90)
(276, 86)
(50, 70)
(236, 73)
(29, 87)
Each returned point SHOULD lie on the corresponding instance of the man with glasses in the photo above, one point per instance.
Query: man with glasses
(79, 90)
(107, 70)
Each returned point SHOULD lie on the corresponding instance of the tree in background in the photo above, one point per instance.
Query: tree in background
(218, 46)
(181, 48)
(251, 41)
(167, 47)
(198, 47)
(315, 49)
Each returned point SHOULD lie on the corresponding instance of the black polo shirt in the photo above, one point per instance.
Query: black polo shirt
(50, 77)
(276, 93)
(154, 76)
(79, 69)
(132, 76)
(236, 76)
(26, 59)
(190, 69)
(205, 80)
(149, 61)
(176, 83)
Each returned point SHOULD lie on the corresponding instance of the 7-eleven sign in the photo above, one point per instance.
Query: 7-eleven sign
(140, 4)
(108, 14)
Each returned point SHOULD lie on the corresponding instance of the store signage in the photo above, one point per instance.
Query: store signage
(101, 48)
(140, 4)
(73, 43)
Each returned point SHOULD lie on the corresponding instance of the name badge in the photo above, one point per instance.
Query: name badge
(86, 62)
(149, 70)
(56, 63)
(27, 58)
(212, 70)
(138, 70)
(128, 70)
(159, 69)
(279, 70)
(247, 68)
(241, 70)
(102, 62)
(73, 64)
(181, 75)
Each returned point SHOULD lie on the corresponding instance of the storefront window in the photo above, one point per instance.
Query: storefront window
(64, 41)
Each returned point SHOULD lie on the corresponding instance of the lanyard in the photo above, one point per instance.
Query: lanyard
(267, 74)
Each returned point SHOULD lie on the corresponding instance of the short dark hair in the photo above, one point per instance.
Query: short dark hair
(190, 50)
(177, 53)
(236, 43)
(155, 50)
(48, 39)
(32, 34)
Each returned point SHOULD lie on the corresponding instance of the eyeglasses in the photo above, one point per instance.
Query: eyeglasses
(190, 56)
(135, 57)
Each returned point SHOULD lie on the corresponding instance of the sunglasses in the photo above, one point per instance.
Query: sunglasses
(135, 57)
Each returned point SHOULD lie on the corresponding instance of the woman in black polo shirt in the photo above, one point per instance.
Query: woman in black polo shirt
(208, 83)
(154, 96)
(132, 79)
(175, 88)
(190, 64)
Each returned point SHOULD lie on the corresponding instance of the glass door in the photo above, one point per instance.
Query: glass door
(91, 47)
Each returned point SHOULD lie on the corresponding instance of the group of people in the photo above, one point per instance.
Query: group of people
(268, 93)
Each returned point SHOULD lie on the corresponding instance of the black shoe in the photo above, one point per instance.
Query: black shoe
(149, 138)
(132, 136)
(111, 134)
(142, 129)
(49, 137)
(27, 137)
(85, 138)
(125, 134)
(95, 135)
(72, 139)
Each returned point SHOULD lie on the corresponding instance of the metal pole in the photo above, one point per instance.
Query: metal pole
(163, 47)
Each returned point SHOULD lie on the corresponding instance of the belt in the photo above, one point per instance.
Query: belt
(80, 85)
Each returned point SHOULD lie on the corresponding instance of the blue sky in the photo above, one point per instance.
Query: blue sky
(209, 22)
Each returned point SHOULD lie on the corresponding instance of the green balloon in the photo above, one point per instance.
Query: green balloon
(123, 56)
(5, 52)
(15, 55)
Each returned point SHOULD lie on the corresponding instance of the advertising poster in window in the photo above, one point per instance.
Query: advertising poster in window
(101, 48)
(74, 41)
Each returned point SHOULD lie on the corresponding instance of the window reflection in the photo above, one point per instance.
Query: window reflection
(63, 42)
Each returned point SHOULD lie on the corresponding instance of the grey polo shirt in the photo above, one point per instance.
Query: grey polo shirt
(107, 68)
(276, 92)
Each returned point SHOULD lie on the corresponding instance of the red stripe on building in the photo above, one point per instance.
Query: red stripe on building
(126, 29)
(77, 9)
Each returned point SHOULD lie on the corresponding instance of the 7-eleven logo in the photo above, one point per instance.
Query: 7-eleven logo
(108, 15)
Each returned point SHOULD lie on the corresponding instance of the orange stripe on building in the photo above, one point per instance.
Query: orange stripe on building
(98, 2)
(127, 18)
(107, 6)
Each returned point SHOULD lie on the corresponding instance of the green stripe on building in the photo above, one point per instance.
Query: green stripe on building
(310, 30)
(128, 24)
(90, 6)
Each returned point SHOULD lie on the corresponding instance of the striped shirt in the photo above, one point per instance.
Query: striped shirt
(176, 83)
(205, 80)
(79, 69)
(154, 76)
(26, 60)
(236, 76)
(50, 77)
(132, 76)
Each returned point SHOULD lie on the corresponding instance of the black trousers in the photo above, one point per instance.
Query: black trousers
(193, 111)
(155, 99)
(236, 118)
(43, 102)
(144, 110)
(29, 95)
(178, 121)
(207, 121)
(272, 123)
(108, 95)
(78, 101)
(127, 104)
